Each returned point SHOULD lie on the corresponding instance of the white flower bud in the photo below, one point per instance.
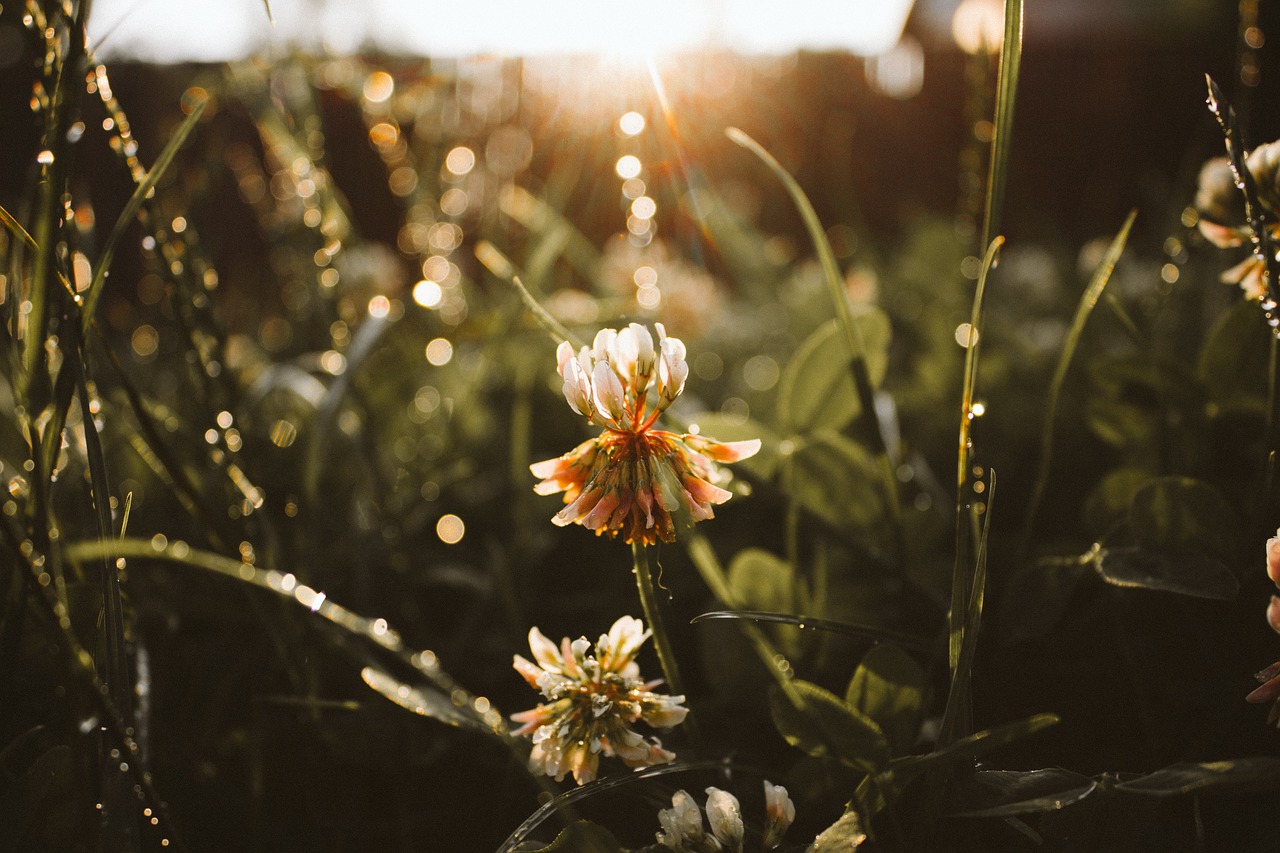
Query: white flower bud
(725, 818)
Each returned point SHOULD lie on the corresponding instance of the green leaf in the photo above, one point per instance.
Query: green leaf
(835, 478)
(827, 726)
(1174, 513)
(583, 837)
(888, 687)
(1120, 423)
(1110, 500)
(1260, 773)
(1237, 344)
(1006, 793)
(842, 836)
(816, 390)
(1183, 572)
(762, 581)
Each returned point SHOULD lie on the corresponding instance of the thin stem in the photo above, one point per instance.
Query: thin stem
(653, 613)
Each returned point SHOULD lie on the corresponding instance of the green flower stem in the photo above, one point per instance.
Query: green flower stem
(653, 613)
(662, 642)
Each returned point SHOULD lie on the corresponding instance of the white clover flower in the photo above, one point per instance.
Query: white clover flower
(593, 701)
(633, 479)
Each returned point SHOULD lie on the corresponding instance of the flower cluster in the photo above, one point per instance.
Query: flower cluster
(633, 479)
(682, 823)
(1221, 209)
(592, 702)
(1270, 677)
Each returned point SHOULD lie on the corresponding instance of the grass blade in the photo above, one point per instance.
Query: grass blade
(10, 222)
(853, 335)
(848, 629)
(131, 208)
(962, 577)
(1006, 92)
(958, 716)
(1092, 293)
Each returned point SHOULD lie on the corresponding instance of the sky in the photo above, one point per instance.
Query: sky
(199, 30)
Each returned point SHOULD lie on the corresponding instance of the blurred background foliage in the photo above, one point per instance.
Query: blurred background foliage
(307, 358)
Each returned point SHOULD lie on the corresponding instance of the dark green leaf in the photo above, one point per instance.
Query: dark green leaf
(1260, 773)
(817, 390)
(1173, 513)
(1110, 500)
(1183, 572)
(761, 581)
(836, 479)
(888, 687)
(1005, 793)
(1120, 423)
(827, 726)
(1238, 343)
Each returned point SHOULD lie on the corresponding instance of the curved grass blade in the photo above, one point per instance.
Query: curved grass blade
(432, 704)
(498, 264)
(9, 221)
(1258, 773)
(962, 575)
(1006, 92)
(1092, 293)
(853, 335)
(848, 629)
(140, 194)
(375, 631)
(1008, 793)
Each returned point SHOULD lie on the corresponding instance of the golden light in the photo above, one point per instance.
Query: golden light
(439, 352)
(628, 166)
(450, 529)
(632, 123)
(978, 25)
(427, 293)
(460, 160)
(378, 87)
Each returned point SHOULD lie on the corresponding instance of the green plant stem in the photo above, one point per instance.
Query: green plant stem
(653, 612)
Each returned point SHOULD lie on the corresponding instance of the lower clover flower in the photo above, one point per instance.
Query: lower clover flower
(634, 479)
(1270, 677)
(593, 700)
(682, 823)
(1221, 208)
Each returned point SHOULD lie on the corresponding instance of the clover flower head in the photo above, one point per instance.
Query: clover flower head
(634, 479)
(593, 699)
(1221, 208)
